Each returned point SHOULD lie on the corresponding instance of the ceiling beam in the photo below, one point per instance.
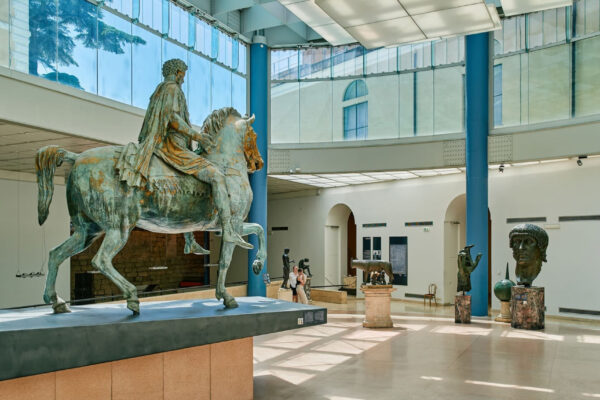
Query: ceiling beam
(225, 6)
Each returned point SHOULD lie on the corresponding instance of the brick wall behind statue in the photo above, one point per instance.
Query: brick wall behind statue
(143, 250)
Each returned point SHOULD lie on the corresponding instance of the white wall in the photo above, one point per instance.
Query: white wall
(548, 190)
(22, 242)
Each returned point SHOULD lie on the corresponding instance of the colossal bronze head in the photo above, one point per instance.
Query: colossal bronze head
(528, 243)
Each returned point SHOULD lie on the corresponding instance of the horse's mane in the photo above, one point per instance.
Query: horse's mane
(215, 121)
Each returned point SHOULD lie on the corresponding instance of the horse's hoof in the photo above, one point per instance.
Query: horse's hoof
(230, 303)
(134, 306)
(195, 249)
(61, 308)
(257, 267)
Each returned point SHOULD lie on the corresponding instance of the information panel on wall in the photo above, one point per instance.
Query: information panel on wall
(399, 259)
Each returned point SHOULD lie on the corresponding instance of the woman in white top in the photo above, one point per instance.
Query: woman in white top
(293, 282)
(300, 287)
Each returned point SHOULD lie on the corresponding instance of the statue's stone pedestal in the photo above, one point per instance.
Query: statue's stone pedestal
(505, 314)
(187, 349)
(462, 309)
(377, 306)
(285, 294)
(528, 309)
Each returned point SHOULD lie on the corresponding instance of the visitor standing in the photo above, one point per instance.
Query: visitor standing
(300, 287)
(293, 280)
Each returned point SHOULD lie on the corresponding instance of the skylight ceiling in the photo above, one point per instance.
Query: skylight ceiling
(319, 21)
(336, 180)
(346, 179)
(514, 7)
(378, 23)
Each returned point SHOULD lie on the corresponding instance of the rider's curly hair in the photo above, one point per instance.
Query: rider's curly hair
(171, 67)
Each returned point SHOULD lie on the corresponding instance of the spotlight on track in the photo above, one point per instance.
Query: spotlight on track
(579, 162)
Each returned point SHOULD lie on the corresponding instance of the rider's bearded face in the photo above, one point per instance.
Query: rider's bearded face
(179, 77)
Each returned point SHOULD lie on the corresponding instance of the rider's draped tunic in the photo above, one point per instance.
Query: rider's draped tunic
(157, 137)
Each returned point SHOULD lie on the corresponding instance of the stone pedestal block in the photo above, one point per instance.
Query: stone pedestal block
(462, 309)
(528, 309)
(377, 306)
(285, 294)
(505, 315)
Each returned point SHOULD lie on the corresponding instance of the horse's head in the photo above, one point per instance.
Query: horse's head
(254, 160)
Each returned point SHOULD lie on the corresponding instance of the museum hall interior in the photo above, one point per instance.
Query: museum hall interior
(299, 199)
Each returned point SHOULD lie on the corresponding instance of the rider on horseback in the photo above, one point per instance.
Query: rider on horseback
(167, 133)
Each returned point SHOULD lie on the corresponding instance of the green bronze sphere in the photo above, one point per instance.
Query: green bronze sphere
(502, 289)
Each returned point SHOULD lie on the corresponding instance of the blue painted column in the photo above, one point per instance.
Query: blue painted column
(259, 81)
(477, 128)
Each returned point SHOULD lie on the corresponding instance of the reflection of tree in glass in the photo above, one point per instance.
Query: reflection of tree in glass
(51, 43)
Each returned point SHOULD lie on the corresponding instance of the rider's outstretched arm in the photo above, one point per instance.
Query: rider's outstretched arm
(181, 126)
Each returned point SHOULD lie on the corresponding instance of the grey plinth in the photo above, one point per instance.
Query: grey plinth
(35, 341)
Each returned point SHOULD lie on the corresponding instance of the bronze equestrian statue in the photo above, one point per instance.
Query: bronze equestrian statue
(160, 185)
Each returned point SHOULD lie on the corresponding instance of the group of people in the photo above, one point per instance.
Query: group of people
(297, 280)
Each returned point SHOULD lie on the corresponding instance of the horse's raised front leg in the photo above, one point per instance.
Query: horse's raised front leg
(114, 241)
(261, 255)
(224, 261)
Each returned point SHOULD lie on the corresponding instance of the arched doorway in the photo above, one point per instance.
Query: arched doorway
(336, 244)
(455, 230)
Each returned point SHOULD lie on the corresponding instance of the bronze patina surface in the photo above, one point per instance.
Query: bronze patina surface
(528, 243)
(465, 267)
(160, 185)
(369, 266)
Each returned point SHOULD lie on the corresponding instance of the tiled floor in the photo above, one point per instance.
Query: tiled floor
(427, 356)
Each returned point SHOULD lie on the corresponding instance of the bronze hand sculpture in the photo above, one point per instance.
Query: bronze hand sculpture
(465, 267)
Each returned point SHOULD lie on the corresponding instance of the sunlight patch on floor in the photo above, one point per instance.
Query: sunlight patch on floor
(595, 395)
(291, 341)
(591, 339)
(432, 378)
(313, 361)
(510, 386)
(266, 353)
(462, 330)
(532, 335)
(346, 346)
(369, 334)
(293, 377)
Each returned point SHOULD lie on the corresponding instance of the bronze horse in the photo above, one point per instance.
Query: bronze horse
(171, 203)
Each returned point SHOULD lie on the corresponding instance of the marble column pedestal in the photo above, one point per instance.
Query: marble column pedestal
(462, 309)
(505, 314)
(377, 306)
(528, 309)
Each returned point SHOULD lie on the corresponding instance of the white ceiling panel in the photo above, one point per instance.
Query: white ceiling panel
(349, 13)
(414, 7)
(385, 33)
(514, 7)
(384, 23)
(309, 13)
(455, 21)
(334, 34)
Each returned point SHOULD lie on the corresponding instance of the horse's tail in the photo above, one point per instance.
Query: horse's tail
(46, 161)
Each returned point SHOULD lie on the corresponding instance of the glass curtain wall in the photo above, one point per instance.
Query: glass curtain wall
(546, 65)
(412, 90)
(116, 48)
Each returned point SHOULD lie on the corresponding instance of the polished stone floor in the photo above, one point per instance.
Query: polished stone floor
(427, 356)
